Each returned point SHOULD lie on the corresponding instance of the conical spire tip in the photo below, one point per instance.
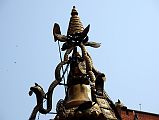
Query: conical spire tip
(74, 11)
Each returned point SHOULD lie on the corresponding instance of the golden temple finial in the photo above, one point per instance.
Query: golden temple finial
(85, 96)
(75, 24)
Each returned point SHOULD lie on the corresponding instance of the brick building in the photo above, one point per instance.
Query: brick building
(130, 114)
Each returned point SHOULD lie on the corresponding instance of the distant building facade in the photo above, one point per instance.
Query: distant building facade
(130, 114)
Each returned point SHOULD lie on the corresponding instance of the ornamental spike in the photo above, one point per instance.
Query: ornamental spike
(75, 24)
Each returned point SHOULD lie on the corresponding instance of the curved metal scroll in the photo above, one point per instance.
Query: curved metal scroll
(40, 94)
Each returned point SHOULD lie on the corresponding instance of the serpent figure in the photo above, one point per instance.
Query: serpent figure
(88, 63)
(40, 94)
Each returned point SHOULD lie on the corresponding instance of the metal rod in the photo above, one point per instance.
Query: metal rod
(140, 106)
(52, 113)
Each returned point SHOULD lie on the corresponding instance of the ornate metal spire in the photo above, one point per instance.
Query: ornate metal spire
(85, 96)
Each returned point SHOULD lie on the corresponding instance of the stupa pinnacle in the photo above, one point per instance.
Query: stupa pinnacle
(75, 24)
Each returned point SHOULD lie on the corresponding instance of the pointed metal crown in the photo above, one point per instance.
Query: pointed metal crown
(75, 25)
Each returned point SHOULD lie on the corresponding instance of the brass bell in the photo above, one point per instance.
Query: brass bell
(77, 95)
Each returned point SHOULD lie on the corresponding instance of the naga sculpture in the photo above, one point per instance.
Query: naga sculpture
(85, 97)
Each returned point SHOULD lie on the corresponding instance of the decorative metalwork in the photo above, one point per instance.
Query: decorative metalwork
(85, 97)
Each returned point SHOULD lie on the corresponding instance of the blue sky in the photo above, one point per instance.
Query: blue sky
(129, 55)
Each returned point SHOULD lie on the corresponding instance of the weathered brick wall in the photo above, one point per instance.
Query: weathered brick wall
(141, 115)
